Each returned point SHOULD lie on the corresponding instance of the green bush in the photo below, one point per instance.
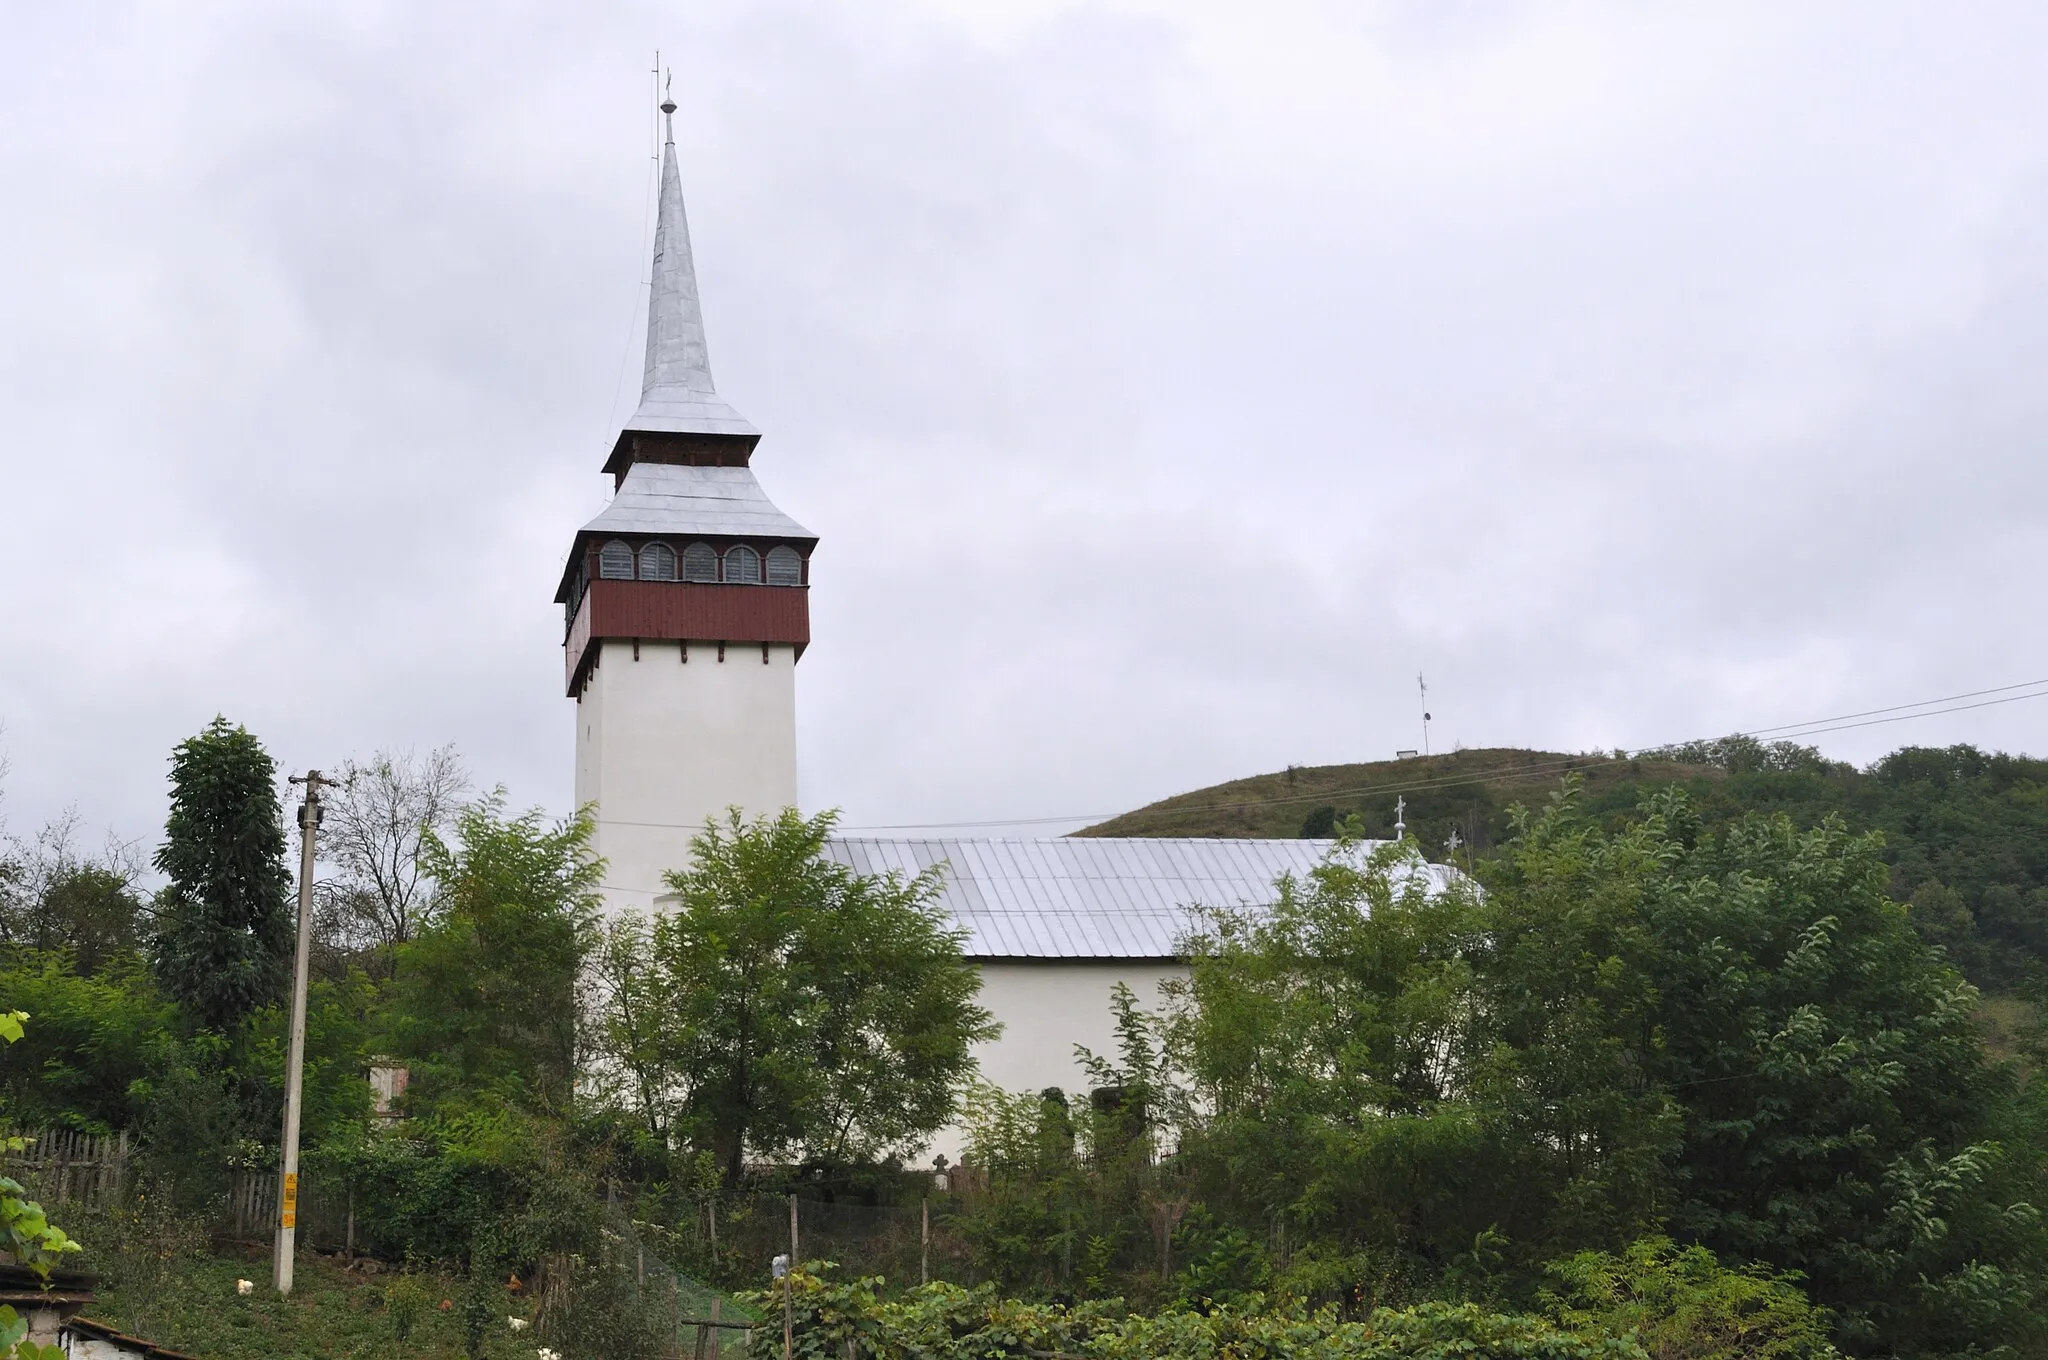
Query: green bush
(405, 1303)
(853, 1320)
(522, 1184)
(83, 1063)
(1681, 1302)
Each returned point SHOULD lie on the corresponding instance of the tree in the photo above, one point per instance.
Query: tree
(1326, 1067)
(92, 912)
(224, 926)
(54, 898)
(790, 1003)
(379, 819)
(97, 1041)
(1965, 834)
(1835, 1112)
(488, 997)
(1733, 1035)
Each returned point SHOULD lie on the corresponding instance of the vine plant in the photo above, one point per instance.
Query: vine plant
(25, 1232)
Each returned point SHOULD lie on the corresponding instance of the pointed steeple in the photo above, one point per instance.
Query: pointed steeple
(676, 395)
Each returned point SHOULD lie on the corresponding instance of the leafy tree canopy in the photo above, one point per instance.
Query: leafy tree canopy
(487, 997)
(1732, 1034)
(1965, 831)
(787, 1002)
(224, 926)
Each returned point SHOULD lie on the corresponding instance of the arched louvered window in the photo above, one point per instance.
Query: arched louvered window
(785, 568)
(743, 565)
(657, 562)
(615, 562)
(700, 562)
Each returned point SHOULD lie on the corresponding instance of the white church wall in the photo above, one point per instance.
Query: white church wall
(1046, 1008)
(661, 745)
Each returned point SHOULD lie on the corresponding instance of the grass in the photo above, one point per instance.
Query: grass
(2011, 1027)
(335, 1312)
(185, 1299)
(1273, 805)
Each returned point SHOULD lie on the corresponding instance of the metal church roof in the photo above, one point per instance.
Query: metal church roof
(1085, 898)
(677, 498)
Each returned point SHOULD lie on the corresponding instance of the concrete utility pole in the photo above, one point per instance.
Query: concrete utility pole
(295, 1064)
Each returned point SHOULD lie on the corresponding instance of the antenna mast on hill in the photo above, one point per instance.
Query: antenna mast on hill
(1424, 688)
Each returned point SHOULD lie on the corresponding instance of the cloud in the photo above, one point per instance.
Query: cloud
(1168, 383)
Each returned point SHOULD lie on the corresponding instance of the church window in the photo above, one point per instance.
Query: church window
(700, 562)
(615, 562)
(743, 565)
(657, 562)
(785, 568)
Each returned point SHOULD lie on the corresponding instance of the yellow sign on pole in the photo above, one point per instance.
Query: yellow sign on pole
(289, 1217)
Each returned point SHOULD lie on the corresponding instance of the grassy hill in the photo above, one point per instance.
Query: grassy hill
(1966, 831)
(1471, 790)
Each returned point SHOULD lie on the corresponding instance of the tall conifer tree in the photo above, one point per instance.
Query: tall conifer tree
(224, 927)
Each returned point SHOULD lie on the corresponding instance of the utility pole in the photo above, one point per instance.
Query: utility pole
(295, 1064)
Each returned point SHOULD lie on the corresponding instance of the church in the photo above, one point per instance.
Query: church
(686, 609)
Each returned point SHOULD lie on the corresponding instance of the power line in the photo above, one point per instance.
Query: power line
(1953, 708)
(1840, 722)
(646, 229)
(1812, 727)
(1899, 708)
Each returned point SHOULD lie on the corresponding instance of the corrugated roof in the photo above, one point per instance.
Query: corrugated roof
(676, 498)
(1090, 897)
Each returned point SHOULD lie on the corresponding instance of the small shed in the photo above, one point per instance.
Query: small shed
(84, 1339)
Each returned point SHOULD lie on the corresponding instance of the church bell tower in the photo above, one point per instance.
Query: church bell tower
(686, 604)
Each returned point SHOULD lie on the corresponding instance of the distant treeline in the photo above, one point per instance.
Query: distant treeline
(1965, 831)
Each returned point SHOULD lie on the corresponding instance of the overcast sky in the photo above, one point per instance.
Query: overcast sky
(1168, 383)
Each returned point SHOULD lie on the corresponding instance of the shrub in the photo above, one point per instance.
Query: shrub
(852, 1320)
(405, 1303)
(1681, 1302)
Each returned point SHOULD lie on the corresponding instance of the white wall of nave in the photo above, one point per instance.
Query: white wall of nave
(1045, 1009)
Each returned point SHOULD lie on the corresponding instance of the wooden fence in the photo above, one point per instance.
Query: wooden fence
(65, 1166)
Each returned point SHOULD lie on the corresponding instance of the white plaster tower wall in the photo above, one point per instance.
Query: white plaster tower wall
(662, 744)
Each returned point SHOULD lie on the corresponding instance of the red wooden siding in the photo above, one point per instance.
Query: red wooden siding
(684, 611)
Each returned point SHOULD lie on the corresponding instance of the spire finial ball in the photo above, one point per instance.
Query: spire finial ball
(668, 106)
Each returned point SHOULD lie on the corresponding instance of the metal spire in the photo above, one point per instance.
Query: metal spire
(676, 395)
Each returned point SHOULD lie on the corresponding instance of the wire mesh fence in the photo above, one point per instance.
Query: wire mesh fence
(693, 1316)
(734, 1238)
(723, 1237)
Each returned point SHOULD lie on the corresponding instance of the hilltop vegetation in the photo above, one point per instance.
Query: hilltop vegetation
(1965, 831)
